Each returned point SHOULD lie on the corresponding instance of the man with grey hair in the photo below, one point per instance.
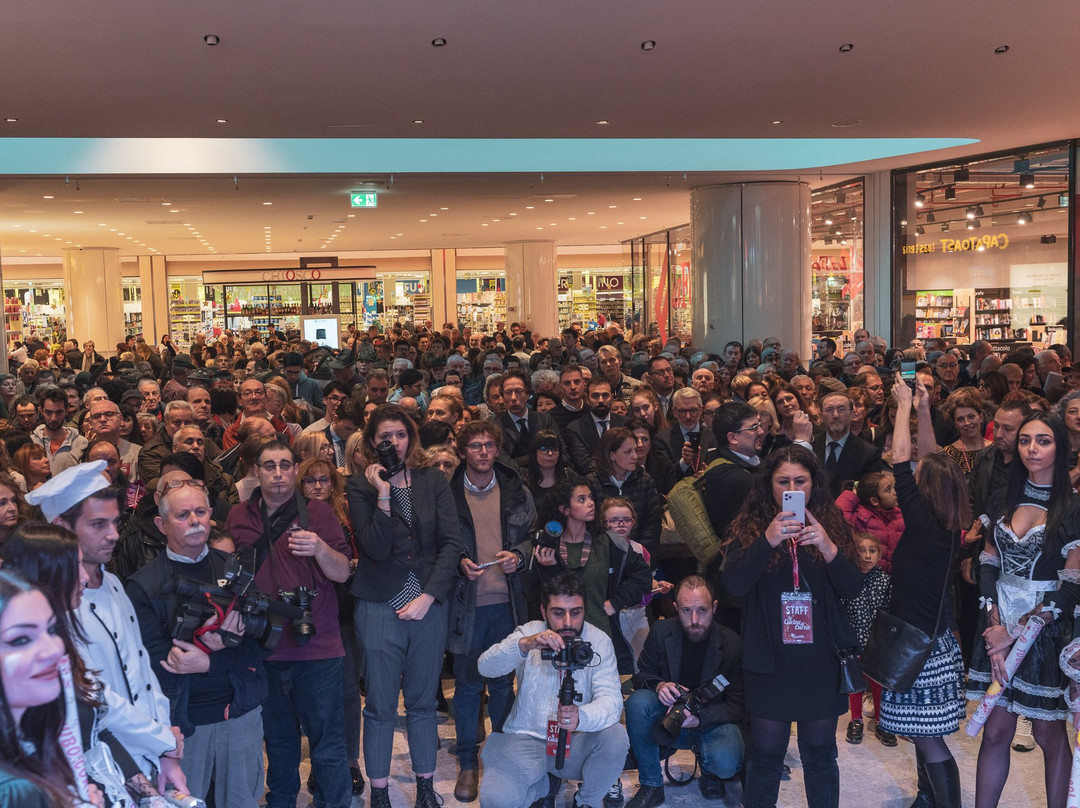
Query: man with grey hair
(178, 414)
(217, 704)
(687, 440)
(611, 366)
(151, 391)
(1047, 362)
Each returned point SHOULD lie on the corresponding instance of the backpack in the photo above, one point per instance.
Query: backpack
(687, 507)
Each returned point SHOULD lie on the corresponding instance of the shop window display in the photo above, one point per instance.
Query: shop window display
(982, 250)
(836, 260)
(35, 307)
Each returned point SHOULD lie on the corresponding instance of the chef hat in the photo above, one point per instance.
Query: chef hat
(68, 488)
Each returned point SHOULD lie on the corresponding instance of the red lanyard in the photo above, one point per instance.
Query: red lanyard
(794, 562)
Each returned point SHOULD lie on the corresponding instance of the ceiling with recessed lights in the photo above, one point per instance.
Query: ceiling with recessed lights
(784, 70)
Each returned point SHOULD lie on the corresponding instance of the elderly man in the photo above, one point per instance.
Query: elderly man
(1047, 362)
(686, 439)
(178, 414)
(844, 456)
(215, 689)
(611, 366)
(151, 392)
(790, 365)
(252, 405)
(704, 381)
(947, 368)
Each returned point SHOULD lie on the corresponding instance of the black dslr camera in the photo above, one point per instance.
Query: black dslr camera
(388, 459)
(549, 535)
(261, 616)
(575, 655)
(301, 598)
(667, 729)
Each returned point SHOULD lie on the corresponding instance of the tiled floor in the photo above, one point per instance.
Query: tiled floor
(870, 775)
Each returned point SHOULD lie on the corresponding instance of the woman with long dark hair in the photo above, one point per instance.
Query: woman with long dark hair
(618, 474)
(1030, 566)
(409, 548)
(545, 466)
(934, 502)
(782, 566)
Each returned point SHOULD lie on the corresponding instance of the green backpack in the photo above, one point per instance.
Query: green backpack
(687, 508)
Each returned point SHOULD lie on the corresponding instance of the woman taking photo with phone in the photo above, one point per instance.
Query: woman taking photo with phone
(793, 575)
(409, 548)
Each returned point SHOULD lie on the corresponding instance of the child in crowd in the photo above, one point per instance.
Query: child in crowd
(872, 508)
(618, 516)
(862, 609)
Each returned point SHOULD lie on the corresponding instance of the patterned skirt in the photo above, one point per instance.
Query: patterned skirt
(934, 706)
(1037, 689)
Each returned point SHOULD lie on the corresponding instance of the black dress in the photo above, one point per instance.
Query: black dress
(792, 682)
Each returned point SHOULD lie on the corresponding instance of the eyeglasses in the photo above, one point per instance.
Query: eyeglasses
(102, 415)
(316, 481)
(752, 428)
(270, 465)
(547, 449)
(253, 394)
(335, 399)
(489, 446)
(621, 520)
(691, 411)
(835, 410)
(172, 485)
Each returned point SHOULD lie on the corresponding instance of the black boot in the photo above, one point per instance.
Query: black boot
(425, 793)
(821, 775)
(548, 801)
(945, 782)
(762, 783)
(925, 797)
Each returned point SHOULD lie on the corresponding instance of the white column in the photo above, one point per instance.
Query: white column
(532, 279)
(877, 256)
(154, 286)
(94, 297)
(751, 264)
(443, 287)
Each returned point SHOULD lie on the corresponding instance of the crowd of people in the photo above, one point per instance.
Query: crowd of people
(261, 540)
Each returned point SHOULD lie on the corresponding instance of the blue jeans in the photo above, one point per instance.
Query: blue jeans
(306, 697)
(721, 747)
(491, 624)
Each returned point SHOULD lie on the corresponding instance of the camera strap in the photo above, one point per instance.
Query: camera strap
(293, 512)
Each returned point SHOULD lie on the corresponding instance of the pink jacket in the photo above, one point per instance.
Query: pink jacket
(886, 525)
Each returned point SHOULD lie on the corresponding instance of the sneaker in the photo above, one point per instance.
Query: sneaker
(711, 786)
(1023, 740)
(886, 738)
(868, 706)
(647, 797)
(614, 797)
(855, 731)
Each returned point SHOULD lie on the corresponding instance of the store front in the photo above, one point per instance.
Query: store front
(661, 264)
(594, 297)
(981, 250)
(836, 261)
(481, 299)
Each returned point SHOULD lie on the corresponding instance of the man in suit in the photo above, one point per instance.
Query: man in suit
(662, 380)
(687, 440)
(90, 360)
(680, 656)
(519, 423)
(348, 418)
(583, 435)
(844, 456)
(572, 382)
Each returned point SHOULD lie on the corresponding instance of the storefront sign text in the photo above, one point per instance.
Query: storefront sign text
(948, 245)
(290, 275)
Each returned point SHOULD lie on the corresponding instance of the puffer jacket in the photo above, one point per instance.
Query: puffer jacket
(641, 490)
(887, 525)
(518, 515)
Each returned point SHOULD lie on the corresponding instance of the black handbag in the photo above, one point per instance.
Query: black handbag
(851, 673)
(897, 651)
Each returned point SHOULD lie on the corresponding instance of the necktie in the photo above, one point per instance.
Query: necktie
(834, 455)
(602, 426)
(523, 429)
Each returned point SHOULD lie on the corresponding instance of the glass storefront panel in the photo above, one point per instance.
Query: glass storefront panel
(657, 286)
(35, 307)
(595, 297)
(679, 262)
(836, 260)
(636, 309)
(481, 299)
(982, 250)
(406, 298)
(194, 309)
(132, 297)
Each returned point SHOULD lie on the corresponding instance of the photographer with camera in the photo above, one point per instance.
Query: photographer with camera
(406, 525)
(300, 551)
(568, 703)
(688, 694)
(213, 674)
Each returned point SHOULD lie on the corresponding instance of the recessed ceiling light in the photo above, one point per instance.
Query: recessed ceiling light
(16, 225)
(418, 120)
(513, 214)
(439, 42)
(603, 227)
(847, 47)
(496, 220)
(539, 228)
(1000, 49)
(637, 198)
(401, 234)
(591, 213)
(268, 203)
(777, 123)
(552, 224)
(222, 120)
(612, 207)
(423, 220)
(444, 208)
(602, 122)
(76, 211)
(549, 200)
(11, 120)
(620, 222)
(572, 219)
(643, 217)
(529, 207)
(483, 224)
(211, 39)
(648, 44)
(48, 196)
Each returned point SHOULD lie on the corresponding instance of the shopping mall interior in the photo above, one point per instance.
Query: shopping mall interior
(206, 166)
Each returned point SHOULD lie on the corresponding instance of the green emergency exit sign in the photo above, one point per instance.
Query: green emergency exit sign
(364, 199)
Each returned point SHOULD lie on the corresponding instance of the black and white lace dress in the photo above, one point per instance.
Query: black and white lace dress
(1032, 565)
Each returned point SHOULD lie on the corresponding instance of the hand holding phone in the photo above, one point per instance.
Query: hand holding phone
(795, 502)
